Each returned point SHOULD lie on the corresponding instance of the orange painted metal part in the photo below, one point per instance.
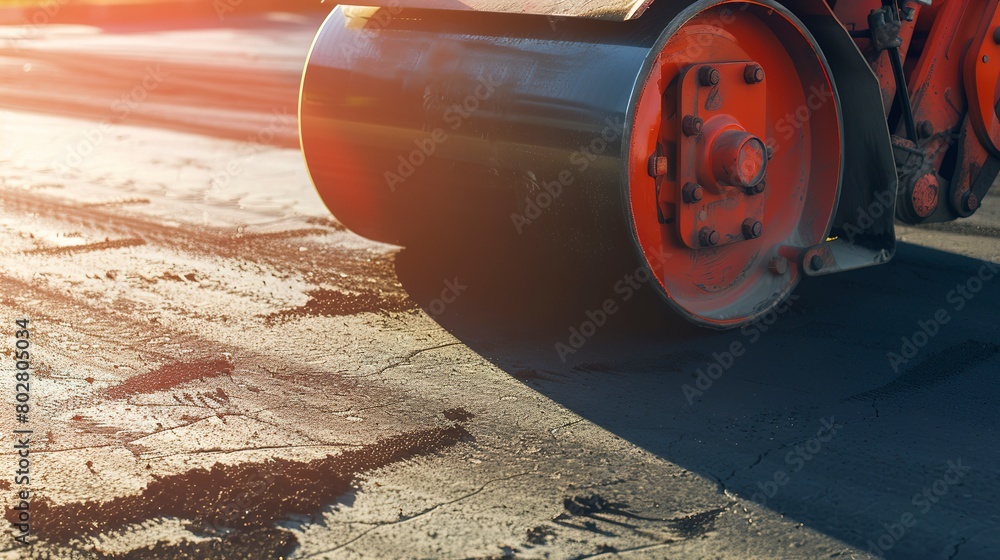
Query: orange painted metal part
(728, 158)
(982, 79)
(936, 81)
(951, 53)
(796, 107)
(971, 156)
(853, 14)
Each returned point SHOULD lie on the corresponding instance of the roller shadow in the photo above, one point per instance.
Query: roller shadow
(749, 421)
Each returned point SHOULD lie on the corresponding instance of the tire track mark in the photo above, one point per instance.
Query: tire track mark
(370, 276)
(88, 247)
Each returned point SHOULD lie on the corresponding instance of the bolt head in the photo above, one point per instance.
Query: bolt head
(693, 192)
(996, 35)
(756, 189)
(752, 229)
(778, 265)
(924, 195)
(708, 237)
(753, 73)
(658, 166)
(709, 76)
(986, 58)
(692, 126)
(970, 202)
(816, 263)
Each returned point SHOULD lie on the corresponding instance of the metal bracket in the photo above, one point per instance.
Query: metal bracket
(722, 110)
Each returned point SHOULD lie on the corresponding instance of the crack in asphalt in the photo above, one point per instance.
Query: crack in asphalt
(167, 430)
(262, 448)
(406, 359)
(954, 553)
(418, 515)
(566, 425)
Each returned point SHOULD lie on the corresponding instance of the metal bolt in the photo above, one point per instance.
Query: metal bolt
(756, 189)
(709, 76)
(970, 202)
(924, 195)
(693, 192)
(752, 228)
(753, 73)
(778, 265)
(816, 263)
(926, 129)
(986, 58)
(657, 166)
(692, 125)
(996, 35)
(708, 237)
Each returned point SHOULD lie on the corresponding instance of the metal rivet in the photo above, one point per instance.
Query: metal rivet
(708, 76)
(778, 265)
(657, 166)
(756, 189)
(692, 125)
(816, 263)
(753, 73)
(708, 237)
(692, 192)
(970, 202)
(752, 229)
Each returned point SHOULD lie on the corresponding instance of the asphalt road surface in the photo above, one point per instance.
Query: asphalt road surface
(221, 370)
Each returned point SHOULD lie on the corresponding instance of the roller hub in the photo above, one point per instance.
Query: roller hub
(738, 159)
(767, 158)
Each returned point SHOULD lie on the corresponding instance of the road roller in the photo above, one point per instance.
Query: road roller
(722, 149)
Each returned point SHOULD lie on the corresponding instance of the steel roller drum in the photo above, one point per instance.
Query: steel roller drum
(421, 125)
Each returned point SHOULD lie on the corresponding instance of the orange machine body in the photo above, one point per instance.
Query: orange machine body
(737, 146)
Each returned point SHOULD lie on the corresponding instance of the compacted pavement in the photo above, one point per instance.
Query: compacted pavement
(221, 370)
